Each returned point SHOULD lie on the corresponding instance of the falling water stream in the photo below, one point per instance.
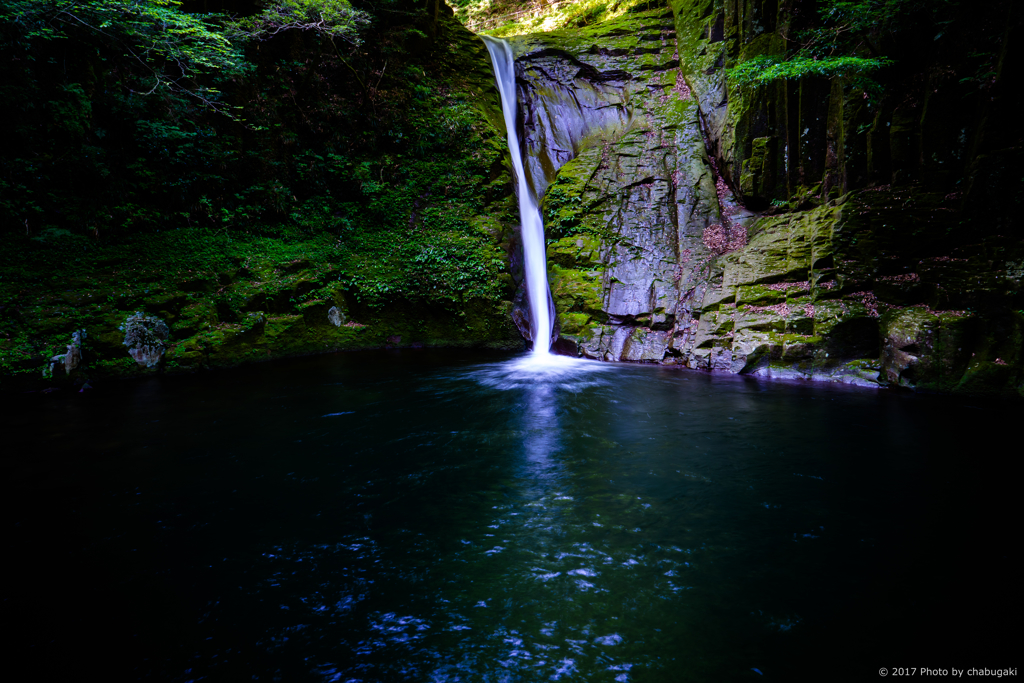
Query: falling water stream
(529, 212)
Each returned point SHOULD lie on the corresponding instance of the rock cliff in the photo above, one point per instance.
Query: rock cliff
(789, 230)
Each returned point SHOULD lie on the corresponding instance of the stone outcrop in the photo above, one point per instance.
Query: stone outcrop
(146, 338)
(335, 316)
(631, 194)
(70, 359)
(664, 245)
(73, 357)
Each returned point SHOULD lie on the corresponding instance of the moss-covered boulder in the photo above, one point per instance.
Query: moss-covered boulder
(146, 338)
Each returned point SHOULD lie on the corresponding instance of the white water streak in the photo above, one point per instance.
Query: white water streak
(529, 213)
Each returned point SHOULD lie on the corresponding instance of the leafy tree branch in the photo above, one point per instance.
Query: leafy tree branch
(765, 69)
(333, 19)
(173, 49)
(846, 41)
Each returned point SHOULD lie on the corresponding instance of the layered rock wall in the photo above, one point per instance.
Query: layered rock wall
(792, 230)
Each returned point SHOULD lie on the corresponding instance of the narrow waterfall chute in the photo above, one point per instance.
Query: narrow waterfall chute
(534, 252)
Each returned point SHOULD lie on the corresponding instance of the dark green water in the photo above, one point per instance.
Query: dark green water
(441, 516)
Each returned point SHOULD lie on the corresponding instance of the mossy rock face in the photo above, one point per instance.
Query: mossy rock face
(758, 295)
(194, 318)
(987, 377)
(703, 49)
(574, 325)
(576, 251)
(574, 276)
(645, 345)
(576, 291)
(828, 284)
(318, 314)
(614, 142)
(166, 304)
(823, 294)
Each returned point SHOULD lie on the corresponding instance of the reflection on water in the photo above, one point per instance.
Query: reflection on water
(418, 517)
(541, 383)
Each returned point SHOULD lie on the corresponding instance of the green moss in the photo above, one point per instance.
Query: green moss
(758, 295)
(577, 14)
(409, 239)
(569, 206)
(985, 378)
(575, 252)
(574, 323)
(576, 291)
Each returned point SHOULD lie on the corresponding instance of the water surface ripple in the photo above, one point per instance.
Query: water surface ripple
(451, 516)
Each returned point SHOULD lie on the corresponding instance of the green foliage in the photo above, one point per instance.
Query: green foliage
(566, 214)
(334, 18)
(847, 40)
(169, 47)
(765, 69)
(562, 209)
(114, 200)
(855, 25)
(511, 18)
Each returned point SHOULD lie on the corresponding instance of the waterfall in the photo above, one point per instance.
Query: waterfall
(529, 213)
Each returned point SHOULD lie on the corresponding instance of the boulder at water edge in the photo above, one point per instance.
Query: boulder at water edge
(146, 337)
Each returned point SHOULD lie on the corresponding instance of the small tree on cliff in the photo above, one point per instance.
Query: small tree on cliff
(847, 40)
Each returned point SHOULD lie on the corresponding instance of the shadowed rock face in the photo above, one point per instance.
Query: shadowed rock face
(566, 106)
